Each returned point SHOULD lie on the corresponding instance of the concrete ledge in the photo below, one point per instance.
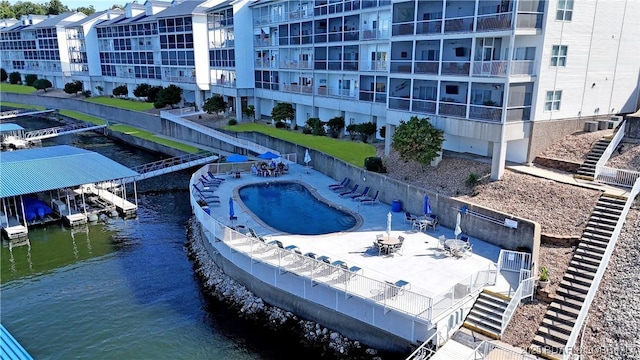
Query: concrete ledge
(564, 240)
(559, 164)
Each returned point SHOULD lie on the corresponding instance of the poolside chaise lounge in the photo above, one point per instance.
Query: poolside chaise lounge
(203, 189)
(340, 185)
(349, 193)
(370, 200)
(364, 193)
(212, 176)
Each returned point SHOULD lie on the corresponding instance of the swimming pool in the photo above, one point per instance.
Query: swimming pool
(291, 208)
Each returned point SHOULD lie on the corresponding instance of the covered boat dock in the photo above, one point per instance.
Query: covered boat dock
(61, 177)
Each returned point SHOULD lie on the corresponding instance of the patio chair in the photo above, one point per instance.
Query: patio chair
(397, 248)
(212, 176)
(349, 193)
(339, 187)
(419, 225)
(362, 194)
(408, 218)
(432, 221)
(441, 241)
(210, 200)
(343, 183)
(370, 200)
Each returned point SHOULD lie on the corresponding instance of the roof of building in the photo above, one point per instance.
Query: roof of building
(55, 167)
(10, 127)
(122, 19)
(94, 16)
(185, 8)
(54, 20)
(10, 347)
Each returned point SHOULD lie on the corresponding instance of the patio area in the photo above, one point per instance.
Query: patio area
(422, 263)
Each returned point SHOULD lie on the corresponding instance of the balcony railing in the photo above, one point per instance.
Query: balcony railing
(490, 68)
(399, 104)
(464, 24)
(184, 79)
(429, 27)
(488, 113)
(453, 109)
(520, 113)
(426, 67)
(403, 66)
(375, 66)
(455, 68)
(373, 97)
(375, 34)
(424, 106)
(225, 83)
(402, 29)
(529, 20)
(295, 64)
(522, 67)
(494, 22)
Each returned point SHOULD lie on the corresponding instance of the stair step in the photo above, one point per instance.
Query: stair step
(586, 260)
(580, 272)
(575, 286)
(491, 304)
(613, 199)
(586, 246)
(563, 309)
(597, 231)
(613, 210)
(588, 253)
(610, 203)
(583, 266)
(494, 322)
(596, 239)
(558, 338)
(578, 278)
(604, 215)
(568, 292)
(563, 317)
(557, 325)
(601, 224)
(567, 301)
(481, 328)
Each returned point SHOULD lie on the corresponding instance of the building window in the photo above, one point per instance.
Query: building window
(559, 55)
(565, 10)
(552, 101)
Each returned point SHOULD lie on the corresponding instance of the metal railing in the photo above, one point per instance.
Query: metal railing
(584, 310)
(428, 347)
(525, 289)
(509, 260)
(498, 352)
(613, 145)
(618, 177)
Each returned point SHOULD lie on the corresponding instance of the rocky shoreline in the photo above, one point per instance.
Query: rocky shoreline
(329, 343)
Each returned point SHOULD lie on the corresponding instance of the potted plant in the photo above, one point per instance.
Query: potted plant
(543, 279)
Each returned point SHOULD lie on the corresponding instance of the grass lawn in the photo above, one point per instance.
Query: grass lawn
(349, 151)
(83, 117)
(151, 137)
(121, 103)
(23, 106)
(19, 89)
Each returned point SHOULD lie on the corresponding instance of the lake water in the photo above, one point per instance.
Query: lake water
(123, 289)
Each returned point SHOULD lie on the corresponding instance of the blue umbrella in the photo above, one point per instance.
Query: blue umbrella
(236, 158)
(426, 208)
(231, 212)
(268, 156)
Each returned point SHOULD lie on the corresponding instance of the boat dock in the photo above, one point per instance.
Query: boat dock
(123, 206)
(10, 348)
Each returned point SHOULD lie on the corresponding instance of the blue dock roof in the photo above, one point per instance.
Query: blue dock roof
(10, 349)
(55, 167)
(10, 127)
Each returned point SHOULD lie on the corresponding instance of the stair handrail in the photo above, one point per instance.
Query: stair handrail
(613, 145)
(525, 289)
(423, 351)
(584, 311)
(483, 350)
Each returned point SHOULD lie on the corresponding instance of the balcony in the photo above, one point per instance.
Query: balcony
(402, 29)
(488, 113)
(494, 22)
(426, 67)
(464, 24)
(453, 109)
(424, 106)
(520, 113)
(429, 27)
(490, 68)
(399, 103)
(529, 20)
(455, 68)
(295, 64)
(401, 67)
(523, 67)
(183, 79)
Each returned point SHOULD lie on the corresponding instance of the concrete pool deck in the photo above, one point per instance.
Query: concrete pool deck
(421, 263)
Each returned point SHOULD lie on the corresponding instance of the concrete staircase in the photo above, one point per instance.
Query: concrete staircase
(588, 168)
(486, 315)
(553, 333)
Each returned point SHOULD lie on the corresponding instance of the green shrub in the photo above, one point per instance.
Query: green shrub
(317, 126)
(281, 125)
(366, 130)
(335, 125)
(375, 164)
(418, 140)
(544, 274)
(15, 78)
(307, 130)
(232, 122)
(86, 93)
(382, 131)
(472, 179)
(29, 79)
(351, 130)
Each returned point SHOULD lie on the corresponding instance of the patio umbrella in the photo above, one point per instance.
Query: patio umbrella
(426, 207)
(457, 230)
(268, 156)
(232, 214)
(236, 158)
(307, 157)
(389, 224)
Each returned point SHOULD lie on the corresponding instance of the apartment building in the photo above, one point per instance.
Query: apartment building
(484, 71)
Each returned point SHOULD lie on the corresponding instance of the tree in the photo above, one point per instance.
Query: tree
(6, 10)
(28, 8)
(366, 130)
(283, 112)
(171, 95)
(335, 124)
(3, 75)
(42, 84)
(249, 112)
(317, 126)
(142, 90)
(73, 87)
(87, 10)
(121, 90)
(29, 79)
(15, 78)
(418, 140)
(214, 104)
(56, 7)
(117, 7)
(152, 94)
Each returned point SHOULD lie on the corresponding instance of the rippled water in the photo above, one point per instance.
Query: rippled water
(123, 289)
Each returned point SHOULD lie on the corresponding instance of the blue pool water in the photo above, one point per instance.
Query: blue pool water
(291, 208)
